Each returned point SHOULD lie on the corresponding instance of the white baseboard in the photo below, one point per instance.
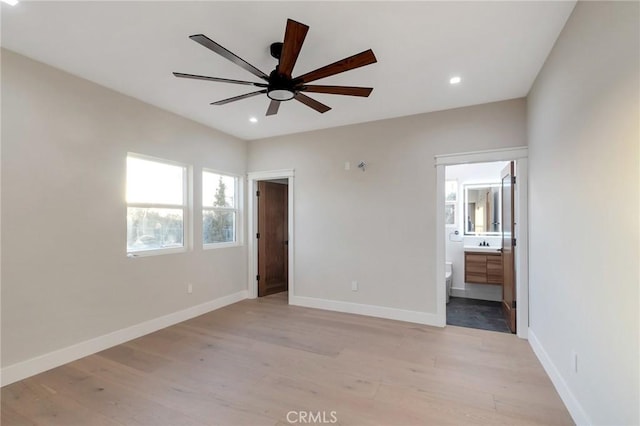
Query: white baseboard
(476, 294)
(570, 401)
(30, 367)
(368, 310)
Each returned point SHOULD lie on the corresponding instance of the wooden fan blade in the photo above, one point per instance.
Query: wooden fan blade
(293, 38)
(212, 45)
(221, 80)
(352, 62)
(339, 90)
(273, 107)
(318, 106)
(237, 98)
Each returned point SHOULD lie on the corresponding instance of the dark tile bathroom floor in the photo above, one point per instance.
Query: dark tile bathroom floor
(472, 313)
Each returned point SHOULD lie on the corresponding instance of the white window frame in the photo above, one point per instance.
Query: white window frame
(238, 193)
(186, 224)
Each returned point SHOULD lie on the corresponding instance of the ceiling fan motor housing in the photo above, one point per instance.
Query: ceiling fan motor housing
(280, 87)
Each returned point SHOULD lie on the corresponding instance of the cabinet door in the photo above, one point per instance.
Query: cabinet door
(475, 268)
(494, 269)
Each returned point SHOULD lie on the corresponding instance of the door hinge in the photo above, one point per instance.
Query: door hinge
(513, 180)
(514, 242)
(257, 193)
(258, 235)
(257, 277)
(513, 305)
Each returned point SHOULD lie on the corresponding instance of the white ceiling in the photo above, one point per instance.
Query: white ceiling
(133, 47)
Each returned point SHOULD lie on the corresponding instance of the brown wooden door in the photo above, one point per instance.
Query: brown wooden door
(273, 276)
(508, 244)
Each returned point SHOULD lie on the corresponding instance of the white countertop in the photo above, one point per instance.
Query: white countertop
(490, 249)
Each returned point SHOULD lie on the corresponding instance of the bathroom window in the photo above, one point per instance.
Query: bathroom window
(450, 202)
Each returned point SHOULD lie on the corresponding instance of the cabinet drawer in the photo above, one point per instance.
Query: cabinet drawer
(494, 278)
(475, 258)
(476, 268)
(475, 278)
(494, 269)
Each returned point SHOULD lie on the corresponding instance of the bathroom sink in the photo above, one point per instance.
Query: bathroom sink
(491, 249)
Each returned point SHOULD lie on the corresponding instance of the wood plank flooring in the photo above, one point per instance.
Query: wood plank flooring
(254, 362)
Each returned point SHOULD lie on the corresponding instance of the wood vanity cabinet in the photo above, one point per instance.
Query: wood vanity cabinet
(483, 268)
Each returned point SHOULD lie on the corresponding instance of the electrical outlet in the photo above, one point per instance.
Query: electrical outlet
(189, 288)
(354, 285)
(574, 360)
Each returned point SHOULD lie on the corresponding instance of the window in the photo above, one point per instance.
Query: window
(219, 209)
(156, 205)
(450, 202)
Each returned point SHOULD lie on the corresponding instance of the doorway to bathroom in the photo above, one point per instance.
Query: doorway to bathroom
(473, 240)
(481, 212)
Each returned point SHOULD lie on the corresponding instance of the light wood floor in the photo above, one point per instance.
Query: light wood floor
(253, 362)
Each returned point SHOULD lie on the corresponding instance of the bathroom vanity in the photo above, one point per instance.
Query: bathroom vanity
(483, 266)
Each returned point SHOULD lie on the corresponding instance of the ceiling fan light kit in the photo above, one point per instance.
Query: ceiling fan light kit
(279, 85)
(281, 94)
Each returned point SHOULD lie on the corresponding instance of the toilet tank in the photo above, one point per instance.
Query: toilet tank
(448, 268)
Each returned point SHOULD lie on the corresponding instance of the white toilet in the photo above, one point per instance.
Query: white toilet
(448, 268)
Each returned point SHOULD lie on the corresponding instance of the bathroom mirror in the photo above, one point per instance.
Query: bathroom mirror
(482, 209)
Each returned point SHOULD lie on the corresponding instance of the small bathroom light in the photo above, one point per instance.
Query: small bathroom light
(455, 80)
(253, 119)
(10, 2)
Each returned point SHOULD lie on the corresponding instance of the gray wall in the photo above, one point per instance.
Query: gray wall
(584, 172)
(65, 274)
(377, 226)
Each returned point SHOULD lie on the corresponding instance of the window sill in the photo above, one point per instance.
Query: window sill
(156, 252)
(214, 246)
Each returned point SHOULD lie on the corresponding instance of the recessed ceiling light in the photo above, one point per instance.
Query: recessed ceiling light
(10, 2)
(253, 119)
(455, 80)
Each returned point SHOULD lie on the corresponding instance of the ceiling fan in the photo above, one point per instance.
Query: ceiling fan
(279, 85)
